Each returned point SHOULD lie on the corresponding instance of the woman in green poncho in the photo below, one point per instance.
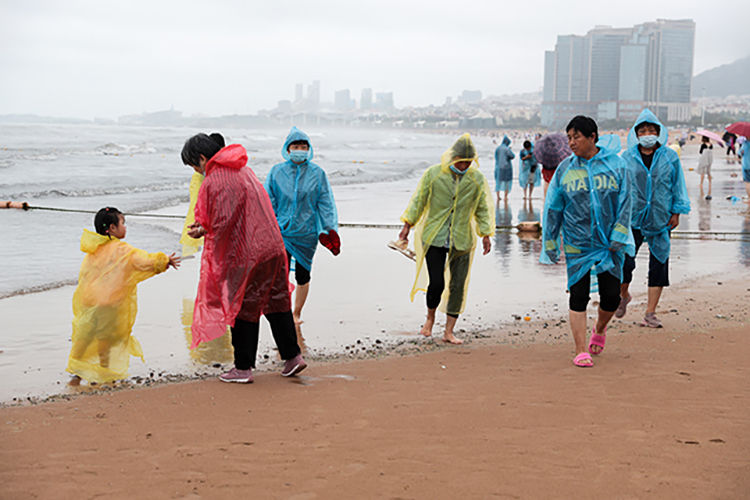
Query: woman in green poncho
(450, 207)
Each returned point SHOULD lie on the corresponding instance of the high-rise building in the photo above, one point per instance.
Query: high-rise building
(615, 72)
(384, 100)
(313, 94)
(365, 102)
(342, 100)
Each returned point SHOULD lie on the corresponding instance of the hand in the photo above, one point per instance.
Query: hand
(196, 231)
(674, 221)
(174, 261)
(486, 245)
(404, 234)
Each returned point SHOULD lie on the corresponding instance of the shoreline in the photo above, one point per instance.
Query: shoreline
(547, 328)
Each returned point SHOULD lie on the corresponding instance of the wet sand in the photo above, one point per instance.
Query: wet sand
(663, 414)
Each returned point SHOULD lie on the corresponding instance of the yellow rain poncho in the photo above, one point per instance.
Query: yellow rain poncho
(105, 305)
(455, 208)
(191, 245)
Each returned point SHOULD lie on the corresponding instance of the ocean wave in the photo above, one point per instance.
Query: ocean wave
(102, 191)
(38, 288)
(115, 149)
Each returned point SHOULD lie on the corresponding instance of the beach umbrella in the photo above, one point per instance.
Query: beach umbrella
(740, 128)
(710, 135)
(551, 149)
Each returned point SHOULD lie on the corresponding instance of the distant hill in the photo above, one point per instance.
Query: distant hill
(728, 79)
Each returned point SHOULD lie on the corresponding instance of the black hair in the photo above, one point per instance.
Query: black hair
(297, 143)
(218, 139)
(585, 125)
(106, 217)
(198, 145)
(643, 124)
(527, 144)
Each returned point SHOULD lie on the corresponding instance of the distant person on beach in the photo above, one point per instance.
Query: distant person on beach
(705, 160)
(192, 245)
(589, 202)
(105, 301)
(745, 157)
(305, 209)
(529, 173)
(451, 206)
(244, 270)
(503, 168)
(730, 140)
(659, 197)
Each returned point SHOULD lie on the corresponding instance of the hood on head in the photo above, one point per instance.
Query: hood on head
(296, 134)
(462, 150)
(91, 241)
(232, 156)
(647, 116)
(506, 140)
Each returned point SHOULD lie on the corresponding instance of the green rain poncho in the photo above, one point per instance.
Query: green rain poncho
(450, 210)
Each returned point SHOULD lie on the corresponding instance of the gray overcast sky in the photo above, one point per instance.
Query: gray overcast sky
(108, 58)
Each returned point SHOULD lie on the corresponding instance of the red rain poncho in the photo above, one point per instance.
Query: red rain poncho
(244, 266)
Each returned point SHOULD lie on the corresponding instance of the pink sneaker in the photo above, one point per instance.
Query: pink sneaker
(293, 366)
(238, 376)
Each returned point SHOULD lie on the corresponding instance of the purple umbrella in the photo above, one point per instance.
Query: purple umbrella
(551, 149)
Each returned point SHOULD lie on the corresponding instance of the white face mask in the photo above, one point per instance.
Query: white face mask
(648, 141)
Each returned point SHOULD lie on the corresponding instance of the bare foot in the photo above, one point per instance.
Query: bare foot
(74, 381)
(427, 327)
(451, 339)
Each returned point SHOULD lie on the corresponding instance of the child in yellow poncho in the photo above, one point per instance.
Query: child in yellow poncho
(105, 302)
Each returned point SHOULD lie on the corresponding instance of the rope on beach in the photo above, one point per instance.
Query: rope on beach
(528, 226)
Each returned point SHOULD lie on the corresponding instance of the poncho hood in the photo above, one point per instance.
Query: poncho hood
(91, 241)
(296, 134)
(647, 116)
(233, 156)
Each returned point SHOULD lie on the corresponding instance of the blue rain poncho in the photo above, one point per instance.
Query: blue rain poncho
(524, 168)
(503, 166)
(659, 191)
(302, 200)
(745, 152)
(595, 223)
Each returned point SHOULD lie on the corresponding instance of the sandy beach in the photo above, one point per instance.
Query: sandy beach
(663, 414)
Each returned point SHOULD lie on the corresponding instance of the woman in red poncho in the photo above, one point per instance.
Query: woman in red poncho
(244, 265)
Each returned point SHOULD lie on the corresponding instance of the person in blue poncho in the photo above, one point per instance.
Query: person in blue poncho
(588, 200)
(659, 197)
(305, 209)
(529, 173)
(503, 168)
(745, 156)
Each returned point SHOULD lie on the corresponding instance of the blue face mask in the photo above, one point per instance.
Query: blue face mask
(648, 141)
(298, 156)
(457, 171)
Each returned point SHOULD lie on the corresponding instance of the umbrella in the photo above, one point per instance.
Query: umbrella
(710, 135)
(740, 128)
(551, 149)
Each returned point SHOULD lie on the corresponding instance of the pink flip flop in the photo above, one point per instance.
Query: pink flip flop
(581, 358)
(597, 340)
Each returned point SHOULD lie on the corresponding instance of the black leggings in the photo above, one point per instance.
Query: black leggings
(245, 339)
(658, 272)
(609, 293)
(459, 266)
(301, 275)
